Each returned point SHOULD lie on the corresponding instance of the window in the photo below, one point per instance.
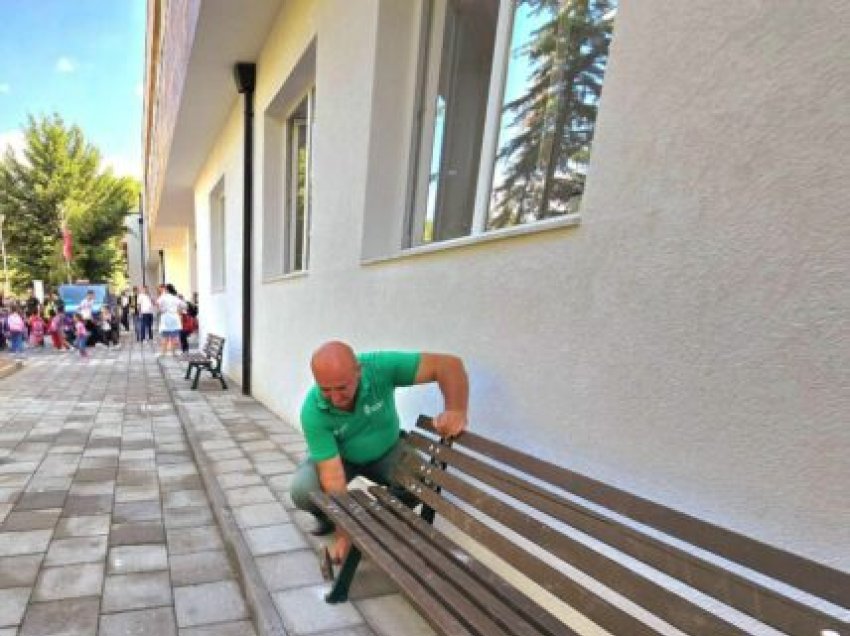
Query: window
(509, 95)
(298, 133)
(218, 244)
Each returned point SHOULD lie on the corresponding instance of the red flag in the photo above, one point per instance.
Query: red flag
(67, 243)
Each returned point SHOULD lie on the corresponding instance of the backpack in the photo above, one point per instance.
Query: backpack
(16, 323)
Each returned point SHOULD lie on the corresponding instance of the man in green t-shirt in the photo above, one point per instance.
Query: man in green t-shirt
(351, 423)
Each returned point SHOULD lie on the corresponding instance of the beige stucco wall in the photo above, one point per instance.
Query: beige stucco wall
(689, 341)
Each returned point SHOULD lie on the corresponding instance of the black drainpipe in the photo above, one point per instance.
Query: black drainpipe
(245, 75)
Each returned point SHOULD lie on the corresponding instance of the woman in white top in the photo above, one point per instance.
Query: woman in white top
(170, 307)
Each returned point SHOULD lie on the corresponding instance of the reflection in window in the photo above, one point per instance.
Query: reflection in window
(298, 186)
(218, 239)
(559, 51)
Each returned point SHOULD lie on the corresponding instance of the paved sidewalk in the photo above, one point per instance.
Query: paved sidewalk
(109, 526)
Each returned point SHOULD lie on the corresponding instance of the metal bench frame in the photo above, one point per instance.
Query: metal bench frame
(209, 358)
(458, 595)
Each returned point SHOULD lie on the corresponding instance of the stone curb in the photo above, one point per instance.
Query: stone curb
(267, 620)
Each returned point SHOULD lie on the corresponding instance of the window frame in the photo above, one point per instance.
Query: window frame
(218, 238)
(290, 191)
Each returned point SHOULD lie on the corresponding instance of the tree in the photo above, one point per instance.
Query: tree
(550, 126)
(60, 180)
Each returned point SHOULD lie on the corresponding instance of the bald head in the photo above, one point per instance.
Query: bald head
(337, 373)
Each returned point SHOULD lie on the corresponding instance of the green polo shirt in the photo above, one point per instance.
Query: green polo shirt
(370, 430)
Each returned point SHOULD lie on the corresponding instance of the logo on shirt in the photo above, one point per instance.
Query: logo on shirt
(368, 409)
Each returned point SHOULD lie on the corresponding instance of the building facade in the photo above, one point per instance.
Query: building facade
(647, 284)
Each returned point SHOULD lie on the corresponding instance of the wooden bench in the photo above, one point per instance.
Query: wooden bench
(629, 565)
(209, 358)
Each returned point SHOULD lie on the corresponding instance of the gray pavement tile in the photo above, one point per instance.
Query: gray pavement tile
(268, 469)
(8, 631)
(106, 487)
(69, 581)
(136, 591)
(143, 532)
(52, 618)
(188, 517)
(16, 480)
(85, 505)
(31, 520)
(281, 482)
(177, 470)
(231, 466)
(185, 499)
(391, 615)
(172, 458)
(41, 500)
(103, 463)
(196, 539)
(13, 604)
(26, 542)
(258, 446)
(76, 550)
(221, 455)
(88, 526)
(158, 622)
(218, 444)
(190, 482)
(274, 456)
(41, 483)
(28, 467)
(257, 515)
(239, 480)
(127, 494)
(19, 571)
(95, 474)
(271, 539)
(238, 628)
(5, 509)
(137, 511)
(209, 603)
(199, 567)
(304, 611)
(290, 569)
(249, 495)
(137, 558)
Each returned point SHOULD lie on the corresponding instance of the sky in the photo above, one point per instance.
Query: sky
(82, 59)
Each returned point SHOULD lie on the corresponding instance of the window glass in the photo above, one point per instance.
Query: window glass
(558, 55)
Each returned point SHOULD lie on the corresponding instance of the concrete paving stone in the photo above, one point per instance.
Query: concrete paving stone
(239, 480)
(258, 446)
(177, 470)
(14, 480)
(48, 484)
(257, 515)
(127, 494)
(19, 571)
(134, 511)
(209, 603)
(87, 526)
(185, 499)
(24, 542)
(271, 539)
(391, 615)
(295, 446)
(105, 487)
(147, 453)
(127, 559)
(188, 517)
(8, 631)
(31, 520)
(138, 533)
(304, 611)
(52, 618)
(290, 569)
(95, 474)
(199, 567)
(41, 500)
(221, 455)
(76, 550)
(137, 464)
(137, 478)
(269, 469)
(158, 622)
(18, 467)
(171, 458)
(273, 456)
(249, 495)
(5, 510)
(85, 505)
(136, 591)
(231, 466)
(197, 539)
(69, 581)
(100, 452)
(238, 628)
(13, 604)
(95, 463)
(191, 482)
(281, 482)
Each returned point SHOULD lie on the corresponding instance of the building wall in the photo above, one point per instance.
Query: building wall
(688, 341)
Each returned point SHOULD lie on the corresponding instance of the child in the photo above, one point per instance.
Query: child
(17, 330)
(56, 329)
(106, 326)
(82, 335)
(37, 329)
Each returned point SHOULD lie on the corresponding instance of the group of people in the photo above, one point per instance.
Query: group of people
(177, 317)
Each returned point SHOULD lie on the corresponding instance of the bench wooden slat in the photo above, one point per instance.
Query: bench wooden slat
(433, 559)
(420, 594)
(733, 589)
(809, 576)
(519, 603)
(659, 600)
(600, 611)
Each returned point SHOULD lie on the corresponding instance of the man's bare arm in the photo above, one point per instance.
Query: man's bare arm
(332, 479)
(449, 373)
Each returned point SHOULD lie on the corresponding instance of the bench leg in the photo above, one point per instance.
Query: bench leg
(223, 383)
(197, 377)
(188, 371)
(339, 592)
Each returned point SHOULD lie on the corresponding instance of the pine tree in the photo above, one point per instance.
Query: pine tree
(544, 160)
(60, 180)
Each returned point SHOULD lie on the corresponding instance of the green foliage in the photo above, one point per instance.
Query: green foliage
(60, 180)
